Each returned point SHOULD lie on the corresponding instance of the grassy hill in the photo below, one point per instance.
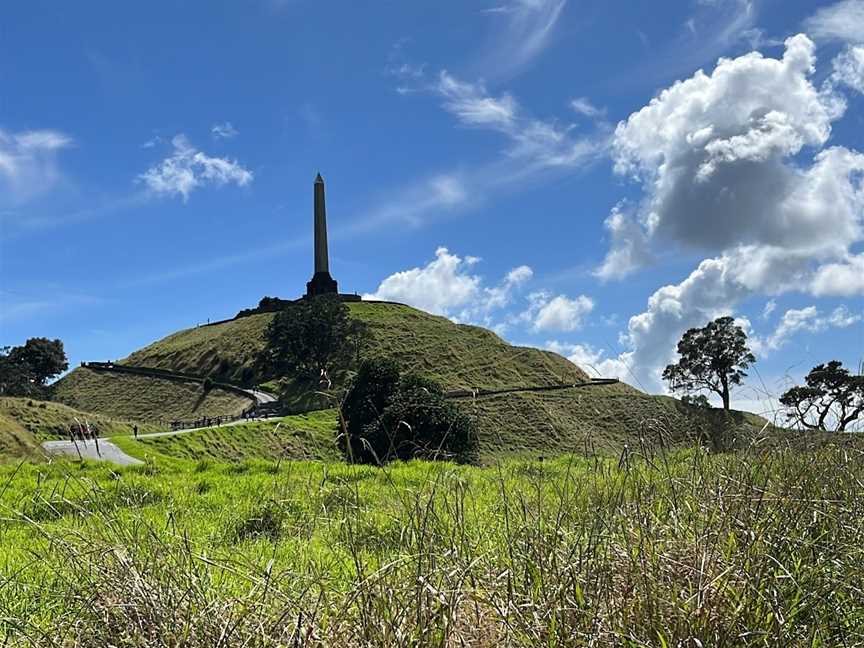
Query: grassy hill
(304, 436)
(458, 356)
(142, 398)
(25, 422)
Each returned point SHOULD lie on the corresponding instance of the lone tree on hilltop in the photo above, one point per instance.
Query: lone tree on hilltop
(25, 370)
(712, 358)
(830, 398)
(312, 338)
(387, 415)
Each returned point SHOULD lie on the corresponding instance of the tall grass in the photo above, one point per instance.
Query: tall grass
(686, 548)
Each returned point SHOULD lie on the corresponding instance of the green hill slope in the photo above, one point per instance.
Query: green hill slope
(142, 398)
(458, 356)
(25, 422)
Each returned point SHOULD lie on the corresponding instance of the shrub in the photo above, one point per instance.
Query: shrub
(388, 416)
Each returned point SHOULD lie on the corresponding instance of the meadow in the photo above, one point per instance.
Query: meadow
(760, 547)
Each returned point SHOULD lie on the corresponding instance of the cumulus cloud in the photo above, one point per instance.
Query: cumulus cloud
(720, 157)
(187, 169)
(446, 286)
(630, 249)
(715, 152)
(224, 130)
(28, 163)
(840, 21)
(849, 69)
(844, 279)
(591, 360)
(808, 319)
(556, 313)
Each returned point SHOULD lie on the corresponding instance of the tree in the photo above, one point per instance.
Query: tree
(711, 358)
(309, 338)
(830, 397)
(389, 416)
(25, 370)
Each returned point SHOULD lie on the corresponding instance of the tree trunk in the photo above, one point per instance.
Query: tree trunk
(725, 393)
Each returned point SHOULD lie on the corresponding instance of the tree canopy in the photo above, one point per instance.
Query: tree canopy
(712, 358)
(831, 398)
(387, 415)
(25, 370)
(310, 338)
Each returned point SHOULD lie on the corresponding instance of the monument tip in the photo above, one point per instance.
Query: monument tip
(318, 178)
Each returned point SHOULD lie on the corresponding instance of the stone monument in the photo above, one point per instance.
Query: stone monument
(321, 283)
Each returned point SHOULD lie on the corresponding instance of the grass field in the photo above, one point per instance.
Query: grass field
(304, 436)
(676, 548)
(25, 422)
(128, 396)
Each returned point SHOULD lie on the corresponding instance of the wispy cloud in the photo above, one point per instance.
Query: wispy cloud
(712, 30)
(28, 163)
(842, 21)
(225, 130)
(521, 31)
(187, 169)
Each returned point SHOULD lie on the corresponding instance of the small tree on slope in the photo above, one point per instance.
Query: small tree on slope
(830, 398)
(309, 338)
(713, 358)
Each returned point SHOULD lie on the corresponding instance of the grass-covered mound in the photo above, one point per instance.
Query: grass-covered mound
(670, 549)
(304, 436)
(456, 356)
(142, 398)
(25, 422)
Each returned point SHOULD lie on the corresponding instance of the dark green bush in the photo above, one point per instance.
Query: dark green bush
(388, 416)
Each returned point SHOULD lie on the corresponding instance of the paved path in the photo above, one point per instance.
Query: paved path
(107, 451)
(110, 452)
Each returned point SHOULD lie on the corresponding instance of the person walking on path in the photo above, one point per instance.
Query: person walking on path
(135, 430)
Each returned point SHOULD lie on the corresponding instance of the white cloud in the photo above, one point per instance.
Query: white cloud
(446, 286)
(630, 249)
(844, 279)
(535, 144)
(714, 152)
(808, 319)
(770, 307)
(583, 106)
(28, 163)
(556, 313)
(849, 68)
(840, 21)
(591, 360)
(473, 106)
(187, 169)
(719, 156)
(523, 29)
(224, 131)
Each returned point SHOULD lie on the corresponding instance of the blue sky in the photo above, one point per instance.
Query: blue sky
(500, 162)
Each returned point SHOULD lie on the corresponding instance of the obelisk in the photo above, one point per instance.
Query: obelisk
(321, 283)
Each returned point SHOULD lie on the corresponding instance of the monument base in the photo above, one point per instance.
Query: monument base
(321, 284)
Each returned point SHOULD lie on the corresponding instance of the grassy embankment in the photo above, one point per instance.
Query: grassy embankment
(25, 422)
(459, 357)
(746, 549)
(142, 398)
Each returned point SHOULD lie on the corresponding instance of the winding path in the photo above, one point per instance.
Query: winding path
(108, 451)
